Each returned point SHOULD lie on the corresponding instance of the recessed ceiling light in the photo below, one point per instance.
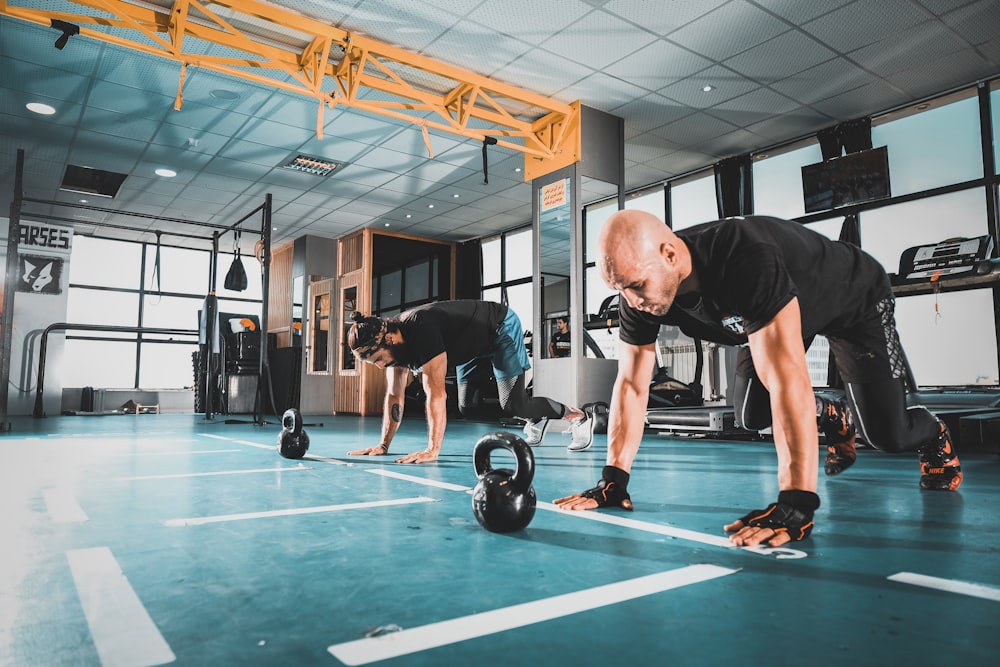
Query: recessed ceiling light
(222, 94)
(83, 201)
(387, 224)
(456, 195)
(166, 173)
(408, 216)
(517, 170)
(707, 89)
(39, 108)
(430, 206)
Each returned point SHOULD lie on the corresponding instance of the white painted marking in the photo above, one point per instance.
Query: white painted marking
(422, 638)
(418, 480)
(325, 459)
(250, 443)
(197, 521)
(239, 442)
(123, 632)
(62, 506)
(183, 475)
(680, 533)
(186, 453)
(948, 585)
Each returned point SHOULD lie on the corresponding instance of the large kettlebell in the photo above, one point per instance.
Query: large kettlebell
(293, 441)
(599, 413)
(503, 500)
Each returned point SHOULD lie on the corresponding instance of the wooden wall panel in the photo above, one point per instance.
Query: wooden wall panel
(279, 302)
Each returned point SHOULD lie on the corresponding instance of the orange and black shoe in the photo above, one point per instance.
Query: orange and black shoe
(837, 425)
(940, 469)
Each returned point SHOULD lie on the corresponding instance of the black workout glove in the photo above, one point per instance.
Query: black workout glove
(792, 514)
(612, 489)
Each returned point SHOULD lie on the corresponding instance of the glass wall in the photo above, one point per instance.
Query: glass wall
(777, 180)
(692, 201)
(995, 113)
(169, 294)
(507, 267)
(937, 146)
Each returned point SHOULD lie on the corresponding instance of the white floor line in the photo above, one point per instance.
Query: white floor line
(250, 443)
(122, 630)
(186, 453)
(215, 473)
(418, 480)
(948, 585)
(679, 533)
(62, 506)
(197, 521)
(325, 459)
(422, 638)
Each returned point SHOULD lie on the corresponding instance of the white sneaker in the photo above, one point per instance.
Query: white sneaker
(583, 434)
(534, 431)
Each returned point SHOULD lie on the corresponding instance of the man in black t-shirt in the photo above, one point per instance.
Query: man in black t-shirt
(559, 343)
(768, 286)
(464, 334)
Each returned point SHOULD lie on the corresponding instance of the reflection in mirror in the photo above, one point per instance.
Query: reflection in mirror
(349, 301)
(600, 201)
(298, 284)
(320, 330)
(554, 217)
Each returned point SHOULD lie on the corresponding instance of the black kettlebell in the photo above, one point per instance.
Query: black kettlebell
(293, 441)
(503, 500)
(599, 413)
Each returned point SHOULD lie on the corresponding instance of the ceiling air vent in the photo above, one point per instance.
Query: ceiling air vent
(312, 165)
(90, 181)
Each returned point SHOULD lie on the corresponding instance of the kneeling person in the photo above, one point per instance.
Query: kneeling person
(464, 333)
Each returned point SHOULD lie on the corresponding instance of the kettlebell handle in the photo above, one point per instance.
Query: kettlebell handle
(525, 470)
(292, 421)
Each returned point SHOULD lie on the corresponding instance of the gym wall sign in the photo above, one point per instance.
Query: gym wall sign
(41, 237)
(39, 275)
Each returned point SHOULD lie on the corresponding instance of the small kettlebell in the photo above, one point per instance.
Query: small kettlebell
(503, 500)
(293, 441)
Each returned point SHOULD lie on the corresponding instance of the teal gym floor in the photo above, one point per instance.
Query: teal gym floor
(156, 539)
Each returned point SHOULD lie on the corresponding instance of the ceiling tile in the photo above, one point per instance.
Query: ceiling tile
(528, 20)
(822, 81)
(650, 111)
(726, 84)
(859, 23)
(777, 58)
(597, 40)
(734, 27)
(662, 18)
(658, 63)
(798, 12)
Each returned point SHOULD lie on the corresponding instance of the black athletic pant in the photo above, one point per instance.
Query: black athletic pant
(870, 360)
(514, 401)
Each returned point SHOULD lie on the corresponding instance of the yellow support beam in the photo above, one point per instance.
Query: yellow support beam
(293, 52)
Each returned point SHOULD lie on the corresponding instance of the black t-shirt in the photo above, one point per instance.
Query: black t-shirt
(749, 268)
(560, 341)
(463, 329)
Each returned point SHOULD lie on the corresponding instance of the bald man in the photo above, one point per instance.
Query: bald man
(768, 286)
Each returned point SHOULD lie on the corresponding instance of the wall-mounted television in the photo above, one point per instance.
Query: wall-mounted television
(849, 179)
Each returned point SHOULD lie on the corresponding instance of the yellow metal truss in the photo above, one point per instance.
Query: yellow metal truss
(276, 47)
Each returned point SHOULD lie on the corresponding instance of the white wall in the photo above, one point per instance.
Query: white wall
(44, 251)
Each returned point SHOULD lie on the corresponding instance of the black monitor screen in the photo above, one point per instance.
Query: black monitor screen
(849, 179)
